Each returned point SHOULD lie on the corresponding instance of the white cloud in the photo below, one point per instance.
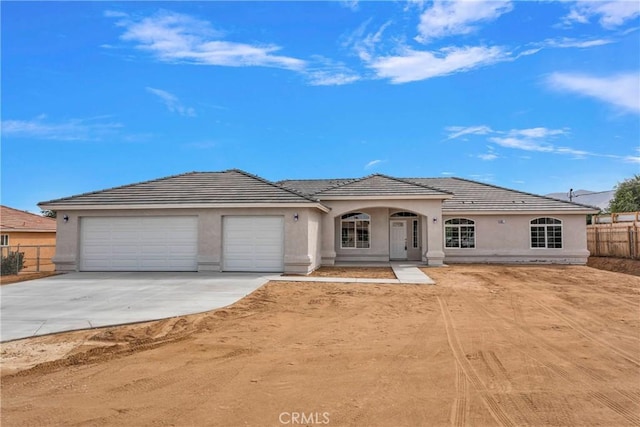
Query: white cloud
(458, 131)
(621, 90)
(610, 14)
(329, 73)
(539, 132)
(353, 5)
(172, 102)
(566, 42)
(632, 159)
(411, 65)
(372, 163)
(458, 17)
(521, 144)
(175, 38)
(91, 129)
(487, 156)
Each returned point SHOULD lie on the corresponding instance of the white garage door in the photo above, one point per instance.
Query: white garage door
(167, 243)
(253, 243)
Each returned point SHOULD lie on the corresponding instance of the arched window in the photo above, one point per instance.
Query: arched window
(546, 233)
(355, 230)
(460, 233)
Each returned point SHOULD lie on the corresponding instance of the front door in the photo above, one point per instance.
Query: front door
(398, 240)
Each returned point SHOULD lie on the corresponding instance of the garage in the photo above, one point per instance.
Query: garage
(253, 243)
(166, 243)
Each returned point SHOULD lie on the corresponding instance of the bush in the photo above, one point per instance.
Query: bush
(12, 263)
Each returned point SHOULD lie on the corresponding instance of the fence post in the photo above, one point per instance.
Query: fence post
(596, 232)
(38, 259)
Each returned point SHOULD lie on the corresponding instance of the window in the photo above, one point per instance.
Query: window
(355, 230)
(403, 215)
(460, 233)
(415, 234)
(546, 233)
(4, 240)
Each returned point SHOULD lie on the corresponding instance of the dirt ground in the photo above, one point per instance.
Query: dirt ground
(621, 265)
(355, 272)
(14, 278)
(487, 345)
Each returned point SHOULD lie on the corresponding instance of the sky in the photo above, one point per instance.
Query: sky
(536, 96)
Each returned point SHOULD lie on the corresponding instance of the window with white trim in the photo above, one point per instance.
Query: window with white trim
(355, 230)
(546, 233)
(4, 240)
(460, 233)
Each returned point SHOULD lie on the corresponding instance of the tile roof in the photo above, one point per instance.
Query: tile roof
(468, 195)
(17, 220)
(475, 196)
(230, 186)
(380, 185)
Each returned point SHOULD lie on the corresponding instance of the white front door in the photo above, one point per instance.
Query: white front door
(398, 240)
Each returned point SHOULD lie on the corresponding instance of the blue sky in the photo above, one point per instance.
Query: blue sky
(536, 96)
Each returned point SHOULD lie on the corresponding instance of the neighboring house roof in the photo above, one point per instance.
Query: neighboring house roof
(476, 196)
(194, 188)
(17, 220)
(380, 186)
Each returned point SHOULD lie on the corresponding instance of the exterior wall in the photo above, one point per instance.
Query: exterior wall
(30, 238)
(506, 239)
(297, 234)
(380, 210)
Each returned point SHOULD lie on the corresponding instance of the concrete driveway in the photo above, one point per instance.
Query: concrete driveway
(87, 300)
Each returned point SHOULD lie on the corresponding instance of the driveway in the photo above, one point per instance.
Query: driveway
(88, 300)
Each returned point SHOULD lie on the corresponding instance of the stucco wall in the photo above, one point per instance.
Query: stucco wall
(297, 256)
(30, 238)
(506, 238)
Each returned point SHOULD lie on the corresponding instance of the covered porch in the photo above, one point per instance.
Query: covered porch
(378, 232)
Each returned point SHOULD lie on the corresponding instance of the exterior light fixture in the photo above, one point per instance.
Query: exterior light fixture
(435, 219)
(295, 216)
(65, 218)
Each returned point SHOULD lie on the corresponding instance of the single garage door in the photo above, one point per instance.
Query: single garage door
(168, 243)
(253, 243)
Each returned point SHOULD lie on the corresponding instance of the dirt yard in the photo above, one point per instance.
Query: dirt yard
(488, 345)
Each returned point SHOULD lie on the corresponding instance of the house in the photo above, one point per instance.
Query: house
(235, 221)
(21, 228)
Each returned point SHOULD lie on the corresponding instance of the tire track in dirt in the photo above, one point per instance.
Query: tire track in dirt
(460, 407)
(492, 405)
(579, 329)
(562, 373)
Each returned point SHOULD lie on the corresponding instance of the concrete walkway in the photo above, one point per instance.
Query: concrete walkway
(75, 301)
(407, 274)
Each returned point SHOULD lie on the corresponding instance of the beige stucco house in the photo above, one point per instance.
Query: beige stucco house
(235, 221)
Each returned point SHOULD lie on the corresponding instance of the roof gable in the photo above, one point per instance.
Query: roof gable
(17, 220)
(381, 186)
(193, 188)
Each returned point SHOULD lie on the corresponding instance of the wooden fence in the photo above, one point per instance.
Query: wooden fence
(618, 240)
(37, 258)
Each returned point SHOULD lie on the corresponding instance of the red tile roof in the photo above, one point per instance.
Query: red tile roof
(16, 220)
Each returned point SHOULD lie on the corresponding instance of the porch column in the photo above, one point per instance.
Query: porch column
(328, 251)
(435, 253)
(424, 244)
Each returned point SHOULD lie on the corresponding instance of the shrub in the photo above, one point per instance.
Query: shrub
(12, 263)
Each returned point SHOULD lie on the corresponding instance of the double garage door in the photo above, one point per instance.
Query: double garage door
(170, 243)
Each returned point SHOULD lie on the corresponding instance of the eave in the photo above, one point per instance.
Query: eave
(141, 206)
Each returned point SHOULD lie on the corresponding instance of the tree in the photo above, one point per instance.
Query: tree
(50, 214)
(627, 196)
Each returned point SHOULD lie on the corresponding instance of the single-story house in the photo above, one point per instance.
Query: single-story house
(236, 221)
(21, 228)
